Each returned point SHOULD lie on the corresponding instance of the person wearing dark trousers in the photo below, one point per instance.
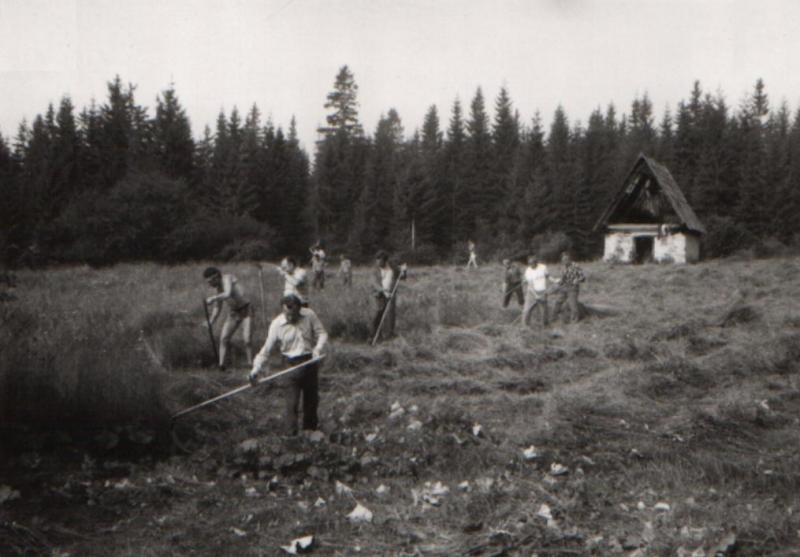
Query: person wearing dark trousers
(385, 278)
(568, 289)
(512, 282)
(301, 337)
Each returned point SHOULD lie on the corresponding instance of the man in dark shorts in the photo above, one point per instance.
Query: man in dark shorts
(239, 311)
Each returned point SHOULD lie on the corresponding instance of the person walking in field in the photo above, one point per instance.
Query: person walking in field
(385, 278)
(569, 288)
(535, 280)
(512, 282)
(346, 271)
(473, 257)
(317, 272)
(295, 280)
(240, 312)
(301, 337)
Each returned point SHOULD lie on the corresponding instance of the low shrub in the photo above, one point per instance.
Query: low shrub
(549, 246)
(725, 237)
(84, 369)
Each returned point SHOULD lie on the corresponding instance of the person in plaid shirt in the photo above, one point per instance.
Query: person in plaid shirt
(568, 289)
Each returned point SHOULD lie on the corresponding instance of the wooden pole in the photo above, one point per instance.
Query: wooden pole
(211, 333)
(245, 387)
(385, 310)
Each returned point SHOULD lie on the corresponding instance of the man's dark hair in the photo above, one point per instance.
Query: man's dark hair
(382, 255)
(210, 272)
(292, 260)
(291, 301)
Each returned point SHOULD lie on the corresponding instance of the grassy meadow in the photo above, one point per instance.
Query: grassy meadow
(664, 423)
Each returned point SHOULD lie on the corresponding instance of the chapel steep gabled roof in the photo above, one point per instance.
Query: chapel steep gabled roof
(633, 187)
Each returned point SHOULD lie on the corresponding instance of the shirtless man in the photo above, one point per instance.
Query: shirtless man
(239, 311)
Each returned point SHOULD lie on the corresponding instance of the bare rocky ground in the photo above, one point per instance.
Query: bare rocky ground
(664, 423)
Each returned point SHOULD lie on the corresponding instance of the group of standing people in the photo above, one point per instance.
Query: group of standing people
(302, 338)
(297, 330)
(532, 287)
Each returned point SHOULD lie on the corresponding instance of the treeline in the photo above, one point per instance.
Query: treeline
(116, 183)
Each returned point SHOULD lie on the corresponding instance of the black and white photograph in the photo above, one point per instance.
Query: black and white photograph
(404, 278)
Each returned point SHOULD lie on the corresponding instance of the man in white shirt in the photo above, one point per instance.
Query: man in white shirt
(239, 311)
(535, 280)
(302, 337)
(295, 280)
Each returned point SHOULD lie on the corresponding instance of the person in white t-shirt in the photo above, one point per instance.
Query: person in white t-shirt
(535, 280)
(295, 279)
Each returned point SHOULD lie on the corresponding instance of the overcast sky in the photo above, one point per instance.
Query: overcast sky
(405, 54)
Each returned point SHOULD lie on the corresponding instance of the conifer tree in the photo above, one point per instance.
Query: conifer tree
(504, 179)
(172, 137)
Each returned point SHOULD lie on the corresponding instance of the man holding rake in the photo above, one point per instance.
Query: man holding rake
(301, 337)
(239, 311)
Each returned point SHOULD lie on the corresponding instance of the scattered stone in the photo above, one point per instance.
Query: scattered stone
(382, 490)
(248, 446)
(640, 505)
(251, 492)
(320, 502)
(631, 543)
(477, 429)
(238, 532)
(593, 543)
(370, 437)
(464, 486)
(544, 512)
(8, 494)
(414, 425)
(124, 483)
(299, 545)
(360, 514)
(342, 489)
(396, 411)
(661, 507)
(557, 469)
(315, 436)
(414, 409)
(432, 500)
(726, 546)
(530, 453)
(485, 484)
(439, 489)
(648, 532)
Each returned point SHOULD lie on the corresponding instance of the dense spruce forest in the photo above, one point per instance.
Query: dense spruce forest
(119, 182)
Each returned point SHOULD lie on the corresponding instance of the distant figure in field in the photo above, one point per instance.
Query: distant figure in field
(535, 280)
(295, 280)
(569, 288)
(512, 282)
(317, 271)
(385, 279)
(317, 250)
(346, 271)
(473, 257)
(302, 337)
(239, 311)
